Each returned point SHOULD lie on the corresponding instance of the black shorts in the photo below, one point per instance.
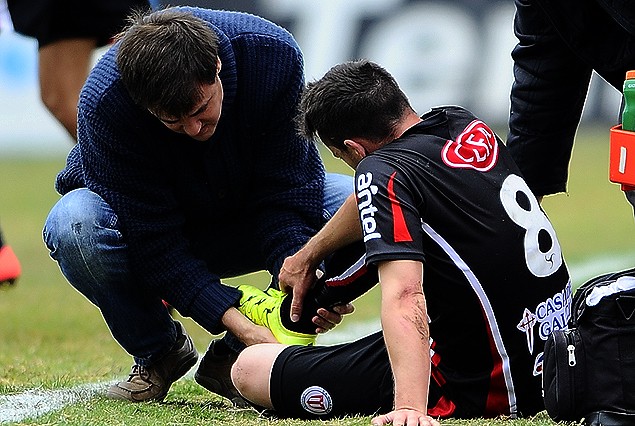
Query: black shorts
(335, 381)
(53, 20)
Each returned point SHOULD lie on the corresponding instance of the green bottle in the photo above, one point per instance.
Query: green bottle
(622, 168)
(628, 114)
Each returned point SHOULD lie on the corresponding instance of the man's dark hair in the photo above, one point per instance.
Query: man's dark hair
(164, 57)
(353, 99)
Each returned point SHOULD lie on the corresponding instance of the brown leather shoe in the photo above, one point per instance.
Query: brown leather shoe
(214, 374)
(152, 383)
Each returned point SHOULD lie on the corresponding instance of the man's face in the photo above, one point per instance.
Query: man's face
(200, 124)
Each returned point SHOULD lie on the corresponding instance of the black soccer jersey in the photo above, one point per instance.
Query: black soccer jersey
(448, 194)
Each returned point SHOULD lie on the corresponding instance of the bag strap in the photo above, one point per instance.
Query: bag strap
(578, 305)
(609, 418)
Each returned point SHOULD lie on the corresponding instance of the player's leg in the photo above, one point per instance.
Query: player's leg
(63, 68)
(329, 381)
(250, 372)
(317, 382)
(346, 278)
(350, 279)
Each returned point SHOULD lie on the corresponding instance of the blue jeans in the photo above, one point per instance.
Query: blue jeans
(83, 236)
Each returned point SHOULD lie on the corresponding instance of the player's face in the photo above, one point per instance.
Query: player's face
(200, 124)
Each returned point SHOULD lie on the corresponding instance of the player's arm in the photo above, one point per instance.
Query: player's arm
(405, 325)
(298, 272)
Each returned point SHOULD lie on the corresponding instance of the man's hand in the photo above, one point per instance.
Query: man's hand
(405, 417)
(245, 330)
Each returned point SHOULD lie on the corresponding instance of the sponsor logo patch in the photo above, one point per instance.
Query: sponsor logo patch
(549, 315)
(475, 148)
(365, 191)
(316, 400)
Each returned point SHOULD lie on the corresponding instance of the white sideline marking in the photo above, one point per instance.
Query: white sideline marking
(36, 402)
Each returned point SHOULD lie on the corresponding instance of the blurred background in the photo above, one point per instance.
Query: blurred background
(441, 52)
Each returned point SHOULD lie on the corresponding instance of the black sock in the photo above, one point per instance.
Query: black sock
(305, 324)
(221, 348)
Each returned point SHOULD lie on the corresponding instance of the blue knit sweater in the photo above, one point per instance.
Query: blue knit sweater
(175, 196)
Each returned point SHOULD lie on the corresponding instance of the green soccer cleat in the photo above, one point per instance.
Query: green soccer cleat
(263, 308)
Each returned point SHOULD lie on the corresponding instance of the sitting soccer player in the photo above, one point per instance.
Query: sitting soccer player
(471, 273)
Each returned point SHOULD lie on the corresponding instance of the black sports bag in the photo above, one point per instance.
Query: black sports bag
(589, 369)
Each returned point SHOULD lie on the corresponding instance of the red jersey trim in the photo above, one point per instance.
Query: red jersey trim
(347, 277)
(400, 230)
(443, 408)
(497, 396)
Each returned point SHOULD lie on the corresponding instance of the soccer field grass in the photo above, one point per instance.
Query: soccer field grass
(52, 340)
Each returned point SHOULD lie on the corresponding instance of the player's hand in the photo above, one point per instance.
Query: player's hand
(297, 275)
(326, 319)
(405, 417)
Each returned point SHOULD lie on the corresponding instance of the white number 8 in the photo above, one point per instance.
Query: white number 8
(537, 226)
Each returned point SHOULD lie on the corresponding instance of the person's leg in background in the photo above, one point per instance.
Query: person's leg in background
(10, 268)
(63, 68)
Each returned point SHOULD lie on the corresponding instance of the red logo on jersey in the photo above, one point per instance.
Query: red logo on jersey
(475, 148)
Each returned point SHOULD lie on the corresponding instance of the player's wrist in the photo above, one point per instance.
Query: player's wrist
(408, 407)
